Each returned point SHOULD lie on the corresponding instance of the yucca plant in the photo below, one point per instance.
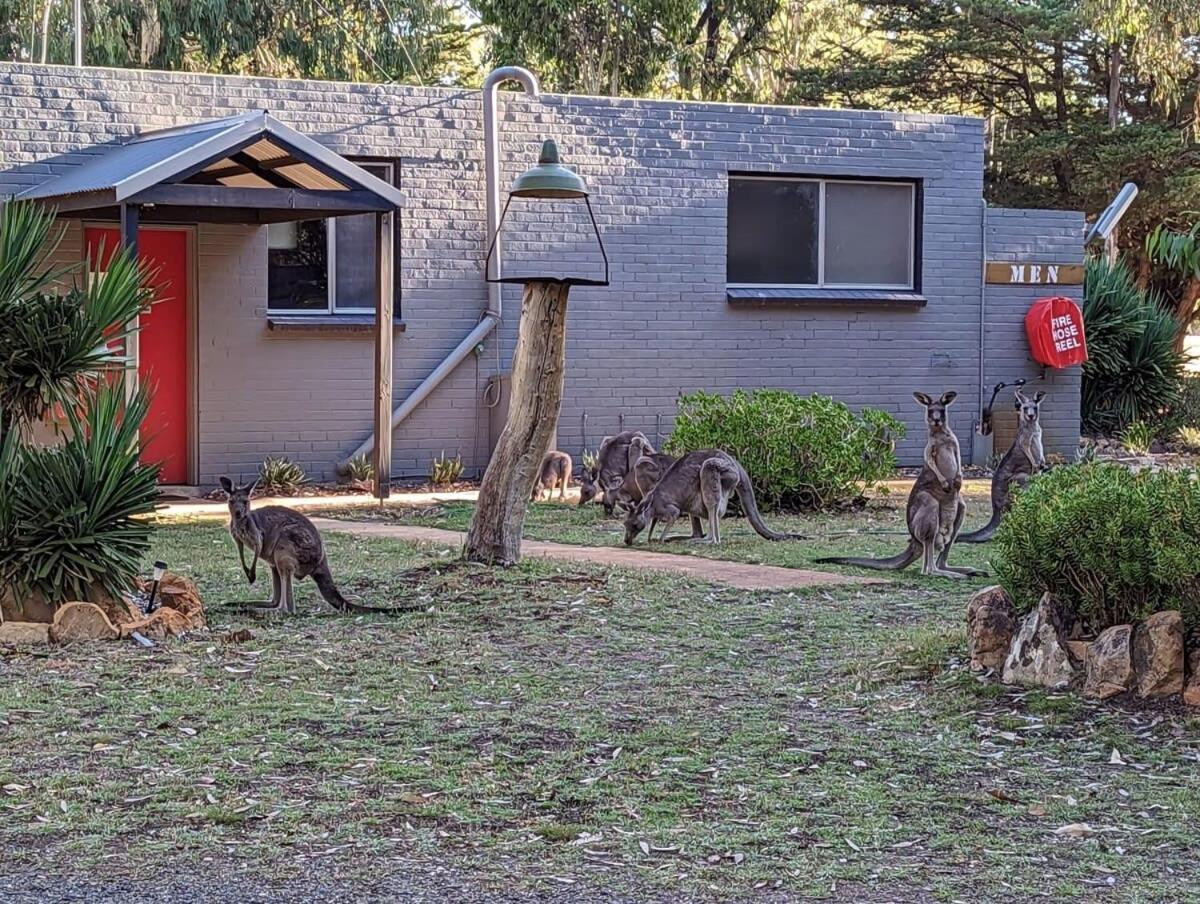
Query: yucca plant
(280, 476)
(69, 524)
(1134, 371)
(1137, 437)
(361, 470)
(69, 516)
(444, 471)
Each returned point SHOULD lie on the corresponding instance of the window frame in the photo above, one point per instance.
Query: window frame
(916, 204)
(331, 308)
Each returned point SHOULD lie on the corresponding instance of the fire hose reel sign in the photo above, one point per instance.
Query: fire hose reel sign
(1055, 330)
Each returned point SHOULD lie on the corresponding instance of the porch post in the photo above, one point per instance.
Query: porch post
(129, 227)
(384, 313)
(129, 241)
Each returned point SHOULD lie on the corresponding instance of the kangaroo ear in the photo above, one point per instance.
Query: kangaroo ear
(923, 399)
(1020, 396)
(948, 397)
(250, 487)
(226, 484)
(1039, 395)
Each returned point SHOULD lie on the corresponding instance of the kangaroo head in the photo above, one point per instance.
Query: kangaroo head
(935, 411)
(1029, 409)
(636, 521)
(588, 489)
(640, 446)
(239, 496)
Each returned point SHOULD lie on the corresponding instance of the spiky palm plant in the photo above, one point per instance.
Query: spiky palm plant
(68, 512)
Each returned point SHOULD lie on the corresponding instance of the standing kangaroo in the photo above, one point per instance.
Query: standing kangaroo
(613, 462)
(555, 473)
(698, 485)
(291, 545)
(935, 508)
(1023, 459)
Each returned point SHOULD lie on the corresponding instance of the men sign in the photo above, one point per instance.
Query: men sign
(1055, 330)
(1015, 273)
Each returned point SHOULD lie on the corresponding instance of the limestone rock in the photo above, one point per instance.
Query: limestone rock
(1191, 690)
(991, 623)
(24, 634)
(1157, 654)
(81, 622)
(1109, 668)
(1037, 656)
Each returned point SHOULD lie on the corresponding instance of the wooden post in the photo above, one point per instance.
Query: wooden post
(538, 371)
(130, 215)
(384, 313)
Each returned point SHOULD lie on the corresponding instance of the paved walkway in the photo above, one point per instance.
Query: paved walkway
(734, 574)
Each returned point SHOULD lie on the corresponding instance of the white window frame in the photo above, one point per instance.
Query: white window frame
(331, 305)
(821, 182)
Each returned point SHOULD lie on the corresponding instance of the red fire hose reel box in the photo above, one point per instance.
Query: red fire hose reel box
(1055, 330)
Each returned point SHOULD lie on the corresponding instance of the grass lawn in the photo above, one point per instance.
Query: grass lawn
(563, 730)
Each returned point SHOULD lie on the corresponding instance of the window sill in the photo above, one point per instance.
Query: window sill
(326, 323)
(902, 298)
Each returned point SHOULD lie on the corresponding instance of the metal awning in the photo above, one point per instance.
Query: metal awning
(247, 169)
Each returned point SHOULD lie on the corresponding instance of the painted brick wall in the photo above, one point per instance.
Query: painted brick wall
(658, 172)
(1047, 236)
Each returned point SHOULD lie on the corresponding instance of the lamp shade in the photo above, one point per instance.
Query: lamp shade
(549, 178)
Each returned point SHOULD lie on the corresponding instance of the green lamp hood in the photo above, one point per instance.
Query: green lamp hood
(549, 178)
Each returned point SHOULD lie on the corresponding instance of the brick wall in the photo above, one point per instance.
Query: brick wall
(658, 173)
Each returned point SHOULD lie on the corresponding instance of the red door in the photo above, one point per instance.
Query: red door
(162, 344)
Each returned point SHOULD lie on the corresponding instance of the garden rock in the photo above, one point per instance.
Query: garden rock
(178, 609)
(1157, 653)
(1037, 655)
(1109, 668)
(81, 623)
(991, 623)
(24, 634)
(1191, 690)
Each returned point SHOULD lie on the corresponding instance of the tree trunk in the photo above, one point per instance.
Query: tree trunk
(538, 370)
(1185, 311)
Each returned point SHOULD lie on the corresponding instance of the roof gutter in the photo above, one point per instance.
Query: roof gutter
(494, 312)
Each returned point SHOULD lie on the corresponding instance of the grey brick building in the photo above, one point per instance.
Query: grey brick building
(831, 251)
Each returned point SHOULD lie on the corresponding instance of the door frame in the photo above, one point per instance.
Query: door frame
(193, 323)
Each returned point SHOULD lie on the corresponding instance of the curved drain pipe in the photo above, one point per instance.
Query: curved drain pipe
(494, 312)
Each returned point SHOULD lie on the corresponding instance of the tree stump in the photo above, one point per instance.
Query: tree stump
(538, 371)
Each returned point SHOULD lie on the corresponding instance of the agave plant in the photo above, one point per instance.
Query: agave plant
(280, 476)
(53, 343)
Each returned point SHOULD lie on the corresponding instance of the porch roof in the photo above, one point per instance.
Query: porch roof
(249, 168)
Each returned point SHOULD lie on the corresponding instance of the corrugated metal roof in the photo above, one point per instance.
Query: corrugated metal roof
(165, 156)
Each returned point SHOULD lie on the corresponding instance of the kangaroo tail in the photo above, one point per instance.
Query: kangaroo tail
(984, 533)
(750, 506)
(333, 596)
(895, 563)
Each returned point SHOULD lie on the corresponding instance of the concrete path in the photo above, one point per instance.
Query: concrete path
(733, 574)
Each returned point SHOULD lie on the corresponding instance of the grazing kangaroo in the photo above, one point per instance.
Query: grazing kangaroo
(698, 485)
(935, 508)
(648, 469)
(291, 545)
(1023, 459)
(554, 474)
(613, 462)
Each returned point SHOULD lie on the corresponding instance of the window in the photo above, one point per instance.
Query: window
(326, 266)
(824, 233)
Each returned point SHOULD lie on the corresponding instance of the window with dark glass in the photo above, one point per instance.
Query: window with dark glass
(785, 231)
(325, 266)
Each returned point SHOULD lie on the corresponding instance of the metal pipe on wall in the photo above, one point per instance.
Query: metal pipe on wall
(78, 32)
(491, 317)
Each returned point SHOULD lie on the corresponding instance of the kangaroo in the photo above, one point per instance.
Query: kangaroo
(555, 473)
(648, 469)
(935, 508)
(613, 463)
(698, 485)
(291, 545)
(1023, 459)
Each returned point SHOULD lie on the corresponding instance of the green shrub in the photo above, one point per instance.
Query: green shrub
(1133, 371)
(801, 452)
(68, 513)
(1190, 437)
(361, 470)
(280, 476)
(445, 471)
(1138, 437)
(1112, 545)
(1185, 412)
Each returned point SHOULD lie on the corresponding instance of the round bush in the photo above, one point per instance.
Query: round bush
(1111, 545)
(801, 452)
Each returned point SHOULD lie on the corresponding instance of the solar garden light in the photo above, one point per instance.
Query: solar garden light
(538, 370)
(160, 568)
